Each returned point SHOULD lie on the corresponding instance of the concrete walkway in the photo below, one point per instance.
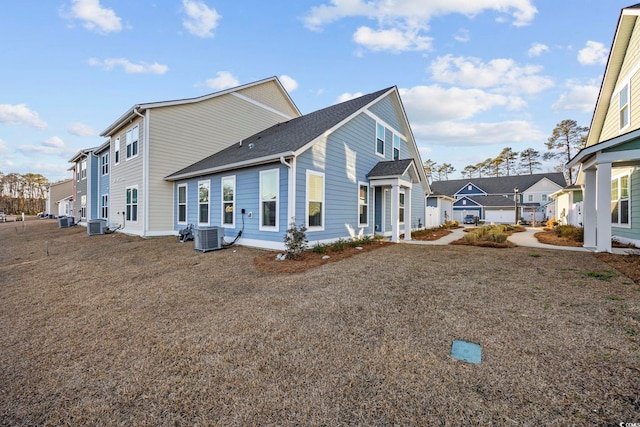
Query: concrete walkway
(524, 238)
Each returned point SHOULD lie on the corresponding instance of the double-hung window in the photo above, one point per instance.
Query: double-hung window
(363, 205)
(104, 206)
(116, 151)
(182, 204)
(132, 142)
(83, 170)
(620, 209)
(131, 204)
(401, 208)
(380, 139)
(228, 201)
(203, 202)
(77, 171)
(83, 207)
(315, 201)
(396, 147)
(624, 106)
(269, 185)
(104, 164)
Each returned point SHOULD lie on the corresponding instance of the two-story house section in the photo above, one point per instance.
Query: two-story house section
(348, 170)
(152, 140)
(610, 162)
(493, 199)
(103, 157)
(85, 185)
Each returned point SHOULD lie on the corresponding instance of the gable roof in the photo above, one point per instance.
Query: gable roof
(617, 53)
(498, 185)
(494, 201)
(281, 140)
(390, 168)
(135, 110)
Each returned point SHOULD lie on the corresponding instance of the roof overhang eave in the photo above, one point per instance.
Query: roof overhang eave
(230, 166)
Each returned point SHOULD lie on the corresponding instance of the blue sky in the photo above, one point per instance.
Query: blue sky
(475, 76)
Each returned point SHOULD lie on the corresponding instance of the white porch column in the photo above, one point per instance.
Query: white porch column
(407, 214)
(603, 208)
(589, 208)
(395, 223)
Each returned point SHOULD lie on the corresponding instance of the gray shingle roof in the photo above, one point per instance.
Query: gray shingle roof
(390, 168)
(280, 139)
(489, 201)
(497, 185)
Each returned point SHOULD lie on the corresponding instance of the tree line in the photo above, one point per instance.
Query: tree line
(566, 140)
(23, 193)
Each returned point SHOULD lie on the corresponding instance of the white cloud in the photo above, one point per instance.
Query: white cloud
(594, 53)
(94, 17)
(289, 84)
(463, 134)
(80, 129)
(537, 49)
(3, 147)
(348, 96)
(223, 80)
(128, 66)
(579, 98)
(462, 35)
(393, 39)
(20, 114)
(50, 146)
(201, 20)
(402, 23)
(431, 104)
(502, 74)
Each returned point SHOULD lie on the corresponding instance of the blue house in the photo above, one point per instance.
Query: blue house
(348, 170)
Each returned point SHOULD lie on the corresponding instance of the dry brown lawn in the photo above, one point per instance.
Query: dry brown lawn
(119, 330)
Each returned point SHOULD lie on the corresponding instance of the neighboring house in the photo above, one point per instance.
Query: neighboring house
(494, 199)
(348, 170)
(568, 205)
(60, 197)
(152, 140)
(84, 185)
(610, 162)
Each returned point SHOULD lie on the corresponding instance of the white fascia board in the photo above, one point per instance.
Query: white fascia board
(230, 166)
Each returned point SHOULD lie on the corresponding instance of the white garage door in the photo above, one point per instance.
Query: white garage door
(502, 216)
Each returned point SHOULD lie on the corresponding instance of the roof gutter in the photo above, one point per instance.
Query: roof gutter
(244, 164)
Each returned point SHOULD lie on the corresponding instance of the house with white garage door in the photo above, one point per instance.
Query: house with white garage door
(496, 199)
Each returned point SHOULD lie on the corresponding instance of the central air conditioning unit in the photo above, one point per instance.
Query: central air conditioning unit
(96, 226)
(65, 221)
(208, 238)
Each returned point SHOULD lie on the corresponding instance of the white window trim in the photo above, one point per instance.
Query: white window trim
(104, 164)
(208, 183)
(186, 204)
(396, 138)
(402, 206)
(78, 171)
(116, 152)
(367, 203)
(83, 169)
(262, 227)
(306, 205)
(627, 85)
(617, 177)
(383, 140)
(137, 203)
(135, 137)
(83, 207)
(233, 203)
(104, 206)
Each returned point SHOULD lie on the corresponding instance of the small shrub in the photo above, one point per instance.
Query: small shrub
(570, 231)
(552, 223)
(295, 241)
(320, 248)
(500, 237)
(470, 237)
(340, 245)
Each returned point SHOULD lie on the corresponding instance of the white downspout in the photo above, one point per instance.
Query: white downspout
(145, 168)
(291, 196)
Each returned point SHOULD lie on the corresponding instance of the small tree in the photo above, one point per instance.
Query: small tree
(295, 241)
(566, 139)
(530, 160)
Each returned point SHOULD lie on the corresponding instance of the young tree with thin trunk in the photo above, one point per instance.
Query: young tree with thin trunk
(430, 168)
(566, 139)
(444, 170)
(508, 160)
